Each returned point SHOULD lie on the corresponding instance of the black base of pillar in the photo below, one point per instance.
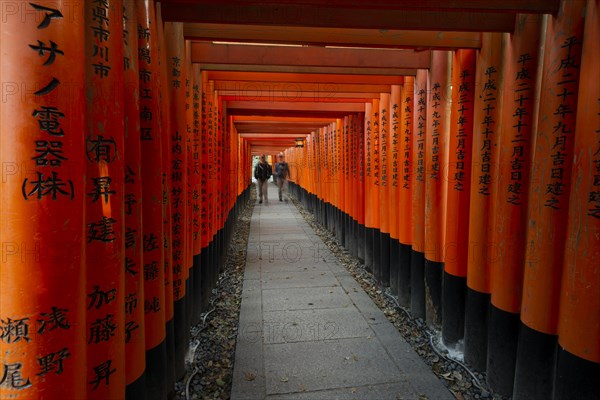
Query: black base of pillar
(369, 232)
(189, 305)
(196, 295)
(384, 246)
(404, 267)
(341, 218)
(204, 281)
(576, 378)
(536, 362)
(156, 372)
(503, 334)
(353, 237)
(433, 293)
(181, 342)
(477, 308)
(377, 255)
(170, 372)
(417, 284)
(219, 252)
(137, 389)
(453, 308)
(346, 241)
(335, 229)
(360, 242)
(394, 265)
(214, 262)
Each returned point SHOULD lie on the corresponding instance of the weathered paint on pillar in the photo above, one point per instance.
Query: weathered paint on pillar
(384, 190)
(368, 186)
(152, 200)
(548, 202)
(417, 258)
(578, 365)
(519, 119)
(375, 183)
(176, 86)
(360, 156)
(104, 205)
(395, 148)
(165, 122)
(42, 325)
(436, 145)
(395, 168)
(135, 348)
(486, 128)
(405, 183)
(456, 249)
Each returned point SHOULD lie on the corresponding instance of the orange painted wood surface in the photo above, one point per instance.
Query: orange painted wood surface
(152, 182)
(135, 347)
(489, 82)
(579, 331)
(385, 208)
(376, 167)
(551, 172)
(456, 249)
(104, 205)
(436, 149)
(176, 68)
(395, 165)
(406, 161)
(42, 117)
(418, 155)
(518, 121)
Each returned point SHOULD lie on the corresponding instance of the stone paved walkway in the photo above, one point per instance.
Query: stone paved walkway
(307, 329)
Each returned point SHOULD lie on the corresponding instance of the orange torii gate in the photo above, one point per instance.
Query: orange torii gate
(514, 253)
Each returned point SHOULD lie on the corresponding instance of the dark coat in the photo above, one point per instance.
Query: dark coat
(262, 172)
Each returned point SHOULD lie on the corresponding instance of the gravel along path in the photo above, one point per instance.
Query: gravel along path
(463, 382)
(209, 365)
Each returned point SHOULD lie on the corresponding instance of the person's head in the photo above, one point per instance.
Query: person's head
(281, 156)
(263, 158)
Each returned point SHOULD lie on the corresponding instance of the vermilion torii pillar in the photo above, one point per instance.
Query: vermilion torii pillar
(405, 188)
(104, 205)
(518, 121)
(152, 200)
(578, 362)
(135, 346)
(42, 324)
(417, 257)
(436, 149)
(548, 202)
(486, 124)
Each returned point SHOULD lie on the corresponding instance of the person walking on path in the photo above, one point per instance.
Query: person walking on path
(262, 173)
(282, 171)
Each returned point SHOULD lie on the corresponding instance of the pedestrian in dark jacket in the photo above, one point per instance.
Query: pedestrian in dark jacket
(262, 173)
(282, 170)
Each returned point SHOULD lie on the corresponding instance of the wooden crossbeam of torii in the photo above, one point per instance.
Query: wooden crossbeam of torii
(209, 53)
(293, 109)
(279, 77)
(435, 15)
(311, 36)
(303, 69)
(266, 87)
(262, 86)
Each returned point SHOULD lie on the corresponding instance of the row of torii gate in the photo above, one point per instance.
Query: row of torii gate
(463, 168)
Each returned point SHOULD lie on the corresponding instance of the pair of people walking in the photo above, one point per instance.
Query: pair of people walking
(262, 173)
